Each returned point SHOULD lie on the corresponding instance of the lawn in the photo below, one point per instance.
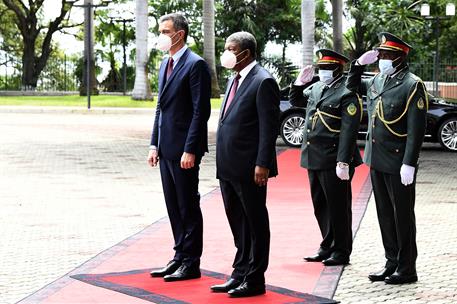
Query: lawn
(101, 101)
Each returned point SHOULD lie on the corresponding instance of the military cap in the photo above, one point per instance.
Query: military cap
(391, 42)
(326, 56)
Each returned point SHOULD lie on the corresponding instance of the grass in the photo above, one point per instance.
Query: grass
(102, 101)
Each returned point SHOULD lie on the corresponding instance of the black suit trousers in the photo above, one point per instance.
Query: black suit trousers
(395, 208)
(245, 206)
(180, 187)
(332, 199)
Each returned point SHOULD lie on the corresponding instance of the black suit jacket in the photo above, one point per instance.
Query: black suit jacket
(247, 133)
(183, 108)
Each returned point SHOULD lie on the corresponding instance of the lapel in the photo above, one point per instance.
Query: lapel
(162, 71)
(178, 67)
(244, 85)
(394, 81)
(331, 90)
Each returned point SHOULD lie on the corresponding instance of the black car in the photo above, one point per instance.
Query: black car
(441, 122)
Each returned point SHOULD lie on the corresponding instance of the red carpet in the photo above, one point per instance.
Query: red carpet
(123, 270)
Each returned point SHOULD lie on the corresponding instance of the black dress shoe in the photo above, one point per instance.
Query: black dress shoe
(171, 267)
(225, 287)
(315, 258)
(247, 289)
(184, 272)
(381, 275)
(335, 260)
(397, 278)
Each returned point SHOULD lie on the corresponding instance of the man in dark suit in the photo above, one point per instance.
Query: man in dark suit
(397, 105)
(330, 153)
(245, 159)
(180, 139)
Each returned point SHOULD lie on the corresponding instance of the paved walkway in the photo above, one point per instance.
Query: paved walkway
(74, 184)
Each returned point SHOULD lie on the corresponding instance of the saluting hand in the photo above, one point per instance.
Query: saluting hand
(368, 57)
(187, 160)
(305, 75)
(261, 176)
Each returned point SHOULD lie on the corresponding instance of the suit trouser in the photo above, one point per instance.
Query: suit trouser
(332, 198)
(247, 214)
(395, 208)
(180, 187)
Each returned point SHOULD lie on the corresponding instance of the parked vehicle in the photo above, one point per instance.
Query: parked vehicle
(441, 122)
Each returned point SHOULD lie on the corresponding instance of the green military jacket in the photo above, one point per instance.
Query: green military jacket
(397, 108)
(333, 117)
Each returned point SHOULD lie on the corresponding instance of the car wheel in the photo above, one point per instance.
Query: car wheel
(447, 134)
(292, 129)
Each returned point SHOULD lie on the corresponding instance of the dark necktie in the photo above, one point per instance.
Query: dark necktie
(232, 92)
(169, 67)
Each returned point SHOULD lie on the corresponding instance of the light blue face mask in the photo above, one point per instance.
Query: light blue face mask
(386, 66)
(326, 76)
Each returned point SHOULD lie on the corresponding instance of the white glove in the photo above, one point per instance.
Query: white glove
(407, 174)
(368, 57)
(305, 75)
(342, 173)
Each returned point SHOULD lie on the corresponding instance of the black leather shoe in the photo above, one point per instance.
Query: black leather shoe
(225, 287)
(247, 289)
(171, 267)
(335, 260)
(381, 275)
(183, 273)
(315, 258)
(397, 278)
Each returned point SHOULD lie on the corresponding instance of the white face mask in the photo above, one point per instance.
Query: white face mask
(386, 66)
(165, 42)
(229, 60)
(326, 76)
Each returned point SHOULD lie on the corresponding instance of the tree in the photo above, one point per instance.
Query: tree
(307, 30)
(35, 52)
(141, 89)
(209, 44)
(337, 18)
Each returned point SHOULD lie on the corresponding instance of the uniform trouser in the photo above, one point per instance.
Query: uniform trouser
(180, 187)
(247, 214)
(395, 208)
(332, 198)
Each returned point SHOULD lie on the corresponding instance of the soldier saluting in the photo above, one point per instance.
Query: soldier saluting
(397, 104)
(330, 153)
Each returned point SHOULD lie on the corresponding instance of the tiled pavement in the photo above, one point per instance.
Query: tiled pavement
(74, 184)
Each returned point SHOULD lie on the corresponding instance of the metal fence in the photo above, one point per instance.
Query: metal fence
(58, 75)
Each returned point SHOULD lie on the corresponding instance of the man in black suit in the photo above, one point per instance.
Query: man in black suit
(180, 139)
(245, 159)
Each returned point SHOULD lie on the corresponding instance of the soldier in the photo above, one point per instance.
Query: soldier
(330, 153)
(397, 104)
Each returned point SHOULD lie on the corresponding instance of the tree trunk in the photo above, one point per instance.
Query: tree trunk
(209, 48)
(337, 17)
(307, 30)
(141, 88)
(29, 78)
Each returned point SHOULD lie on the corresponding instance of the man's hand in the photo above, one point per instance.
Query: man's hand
(342, 172)
(407, 174)
(368, 57)
(305, 75)
(153, 157)
(187, 160)
(261, 176)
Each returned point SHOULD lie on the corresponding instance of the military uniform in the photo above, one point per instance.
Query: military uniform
(333, 116)
(397, 108)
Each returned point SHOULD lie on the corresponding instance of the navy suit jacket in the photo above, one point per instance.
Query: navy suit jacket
(247, 133)
(183, 108)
